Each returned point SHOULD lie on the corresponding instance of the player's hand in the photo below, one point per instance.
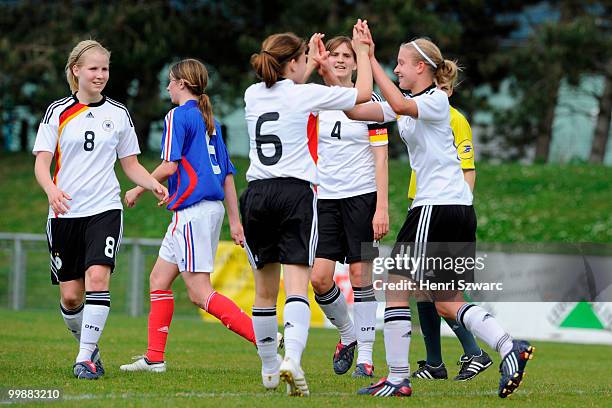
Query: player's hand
(380, 224)
(161, 193)
(314, 48)
(58, 200)
(131, 196)
(360, 39)
(237, 233)
(368, 36)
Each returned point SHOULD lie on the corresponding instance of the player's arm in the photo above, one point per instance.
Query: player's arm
(231, 206)
(469, 175)
(145, 181)
(380, 222)
(58, 199)
(370, 112)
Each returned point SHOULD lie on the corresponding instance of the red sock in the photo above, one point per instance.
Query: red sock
(160, 316)
(230, 315)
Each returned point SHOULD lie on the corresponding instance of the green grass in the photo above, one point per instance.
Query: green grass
(514, 203)
(210, 366)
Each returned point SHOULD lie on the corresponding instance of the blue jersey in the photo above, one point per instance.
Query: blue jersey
(203, 160)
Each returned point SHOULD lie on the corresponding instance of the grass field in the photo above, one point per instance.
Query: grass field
(210, 366)
(514, 202)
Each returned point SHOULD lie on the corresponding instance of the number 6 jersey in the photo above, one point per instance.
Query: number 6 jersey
(86, 141)
(277, 119)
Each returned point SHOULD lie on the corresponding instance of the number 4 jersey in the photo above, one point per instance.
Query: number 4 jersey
(86, 141)
(277, 120)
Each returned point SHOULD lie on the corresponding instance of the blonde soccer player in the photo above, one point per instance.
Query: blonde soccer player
(84, 134)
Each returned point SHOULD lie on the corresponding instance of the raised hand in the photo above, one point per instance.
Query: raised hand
(360, 39)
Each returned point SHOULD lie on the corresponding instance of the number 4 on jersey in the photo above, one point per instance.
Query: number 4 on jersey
(336, 130)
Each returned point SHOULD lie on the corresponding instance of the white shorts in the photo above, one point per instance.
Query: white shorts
(193, 236)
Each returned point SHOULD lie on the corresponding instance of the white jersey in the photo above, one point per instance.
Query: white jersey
(86, 141)
(277, 119)
(345, 159)
(432, 150)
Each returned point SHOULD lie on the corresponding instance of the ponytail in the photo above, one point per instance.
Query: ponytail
(446, 74)
(276, 52)
(206, 109)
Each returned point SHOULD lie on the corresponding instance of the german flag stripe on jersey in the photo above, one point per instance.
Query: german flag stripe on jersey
(66, 116)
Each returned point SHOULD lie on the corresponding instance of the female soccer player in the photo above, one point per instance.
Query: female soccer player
(85, 133)
(279, 206)
(352, 212)
(441, 212)
(197, 166)
(474, 360)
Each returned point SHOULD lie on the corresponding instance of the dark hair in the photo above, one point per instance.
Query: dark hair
(276, 51)
(195, 76)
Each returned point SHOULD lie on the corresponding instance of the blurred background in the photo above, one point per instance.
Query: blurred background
(536, 87)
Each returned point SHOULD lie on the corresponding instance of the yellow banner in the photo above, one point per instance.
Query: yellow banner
(233, 278)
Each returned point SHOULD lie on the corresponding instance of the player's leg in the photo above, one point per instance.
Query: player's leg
(357, 215)
(432, 368)
(71, 305)
(102, 234)
(364, 312)
(296, 316)
(331, 247)
(265, 323)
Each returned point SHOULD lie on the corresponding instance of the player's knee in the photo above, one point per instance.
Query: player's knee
(444, 311)
(72, 300)
(321, 282)
(158, 282)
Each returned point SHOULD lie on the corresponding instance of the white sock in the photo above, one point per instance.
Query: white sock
(95, 313)
(297, 320)
(398, 330)
(265, 327)
(73, 319)
(364, 312)
(334, 306)
(484, 326)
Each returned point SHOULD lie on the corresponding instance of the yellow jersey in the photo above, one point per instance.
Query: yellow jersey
(463, 141)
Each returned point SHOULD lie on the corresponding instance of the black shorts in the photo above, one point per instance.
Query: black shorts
(75, 244)
(280, 221)
(345, 228)
(442, 238)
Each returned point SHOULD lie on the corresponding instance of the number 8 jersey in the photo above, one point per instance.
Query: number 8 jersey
(86, 141)
(277, 119)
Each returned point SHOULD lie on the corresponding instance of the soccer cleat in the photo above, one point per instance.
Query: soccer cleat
(95, 357)
(384, 388)
(142, 364)
(271, 380)
(472, 366)
(293, 375)
(427, 372)
(343, 357)
(363, 370)
(85, 370)
(512, 367)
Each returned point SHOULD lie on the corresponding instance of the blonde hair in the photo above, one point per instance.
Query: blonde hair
(195, 76)
(445, 72)
(276, 52)
(76, 57)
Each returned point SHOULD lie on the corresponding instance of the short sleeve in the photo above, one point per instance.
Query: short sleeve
(463, 139)
(432, 106)
(319, 97)
(128, 141)
(46, 138)
(173, 137)
(388, 113)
